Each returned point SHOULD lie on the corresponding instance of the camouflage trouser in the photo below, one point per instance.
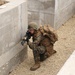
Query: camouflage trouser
(38, 52)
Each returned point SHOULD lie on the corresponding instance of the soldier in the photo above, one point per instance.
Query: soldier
(41, 46)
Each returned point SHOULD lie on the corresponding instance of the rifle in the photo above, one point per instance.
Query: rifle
(27, 37)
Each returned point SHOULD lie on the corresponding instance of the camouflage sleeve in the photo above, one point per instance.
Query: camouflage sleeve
(33, 45)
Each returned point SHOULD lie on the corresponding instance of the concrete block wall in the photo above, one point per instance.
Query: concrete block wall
(52, 12)
(13, 25)
(64, 9)
(41, 11)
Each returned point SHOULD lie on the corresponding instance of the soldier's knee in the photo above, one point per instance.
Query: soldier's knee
(41, 49)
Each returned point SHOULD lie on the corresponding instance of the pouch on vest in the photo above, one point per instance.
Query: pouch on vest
(48, 31)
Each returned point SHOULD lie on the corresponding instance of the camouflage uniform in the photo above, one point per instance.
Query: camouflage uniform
(35, 45)
(41, 46)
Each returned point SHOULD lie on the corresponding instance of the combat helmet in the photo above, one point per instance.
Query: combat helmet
(32, 25)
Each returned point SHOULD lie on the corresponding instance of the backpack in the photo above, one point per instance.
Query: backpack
(48, 31)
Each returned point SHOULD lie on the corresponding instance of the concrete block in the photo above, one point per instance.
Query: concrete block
(24, 19)
(37, 11)
(47, 6)
(13, 26)
(15, 61)
(41, 18)
(54, 9)
(49, 19)
(33, 16)
(63, 4)
(33, 5)
(61, 18)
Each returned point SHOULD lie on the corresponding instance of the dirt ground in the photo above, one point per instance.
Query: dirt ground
(64, 47)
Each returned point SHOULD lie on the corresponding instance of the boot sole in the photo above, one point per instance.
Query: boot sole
(34, 69)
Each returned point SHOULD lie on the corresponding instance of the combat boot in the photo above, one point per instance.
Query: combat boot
(48, 54)
(35, 66)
